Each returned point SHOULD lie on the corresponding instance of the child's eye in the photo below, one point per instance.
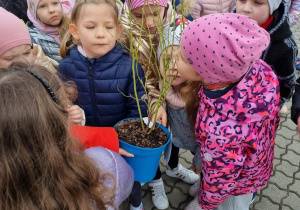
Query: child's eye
(138, 16)
(109, 27)
(257, 2)
(90, 27)
(9, 58)
(27, 53)
(42, 6)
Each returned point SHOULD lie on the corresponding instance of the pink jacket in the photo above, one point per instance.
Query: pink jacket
(236, 134)
(206, 7)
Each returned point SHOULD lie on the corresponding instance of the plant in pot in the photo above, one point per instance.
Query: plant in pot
(138, 136)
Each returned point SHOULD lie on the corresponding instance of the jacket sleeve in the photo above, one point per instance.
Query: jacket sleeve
(196, 13)
(222, 162)
(284, 65)
(110, 162)
(294, 12)
(132, 108)
(295, 109)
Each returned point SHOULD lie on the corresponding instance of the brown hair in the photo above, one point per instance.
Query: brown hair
(68, 41)
(71, 90)
(189, 94)
(39, 168)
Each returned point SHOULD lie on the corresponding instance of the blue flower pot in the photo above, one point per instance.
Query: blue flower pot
(145, 160)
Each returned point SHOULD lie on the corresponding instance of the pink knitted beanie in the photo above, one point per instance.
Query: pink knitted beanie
(13, 31)
(133, 4)
(222, 47)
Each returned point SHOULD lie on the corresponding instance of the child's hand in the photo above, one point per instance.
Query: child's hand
(125, 153)
(76, 115)
(298, 125)
(161, 116)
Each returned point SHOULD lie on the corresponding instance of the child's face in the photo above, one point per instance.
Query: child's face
(49, 12)
(19, 53)
(258, 10)
(185, 69)
(96, 29)
(149, 16)
(171, 72)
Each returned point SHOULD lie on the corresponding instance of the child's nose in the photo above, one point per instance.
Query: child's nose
(247, 8)
(100, 32)
(50, 8)
(150, 21)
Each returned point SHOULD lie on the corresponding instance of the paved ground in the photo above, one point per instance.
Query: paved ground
(283, 190)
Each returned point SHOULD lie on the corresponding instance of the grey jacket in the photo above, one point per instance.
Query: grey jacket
(48, 44)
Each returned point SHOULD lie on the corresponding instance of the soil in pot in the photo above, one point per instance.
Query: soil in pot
(130, 131)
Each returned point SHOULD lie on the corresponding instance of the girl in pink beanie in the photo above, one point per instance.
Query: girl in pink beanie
(15, 42)
(239, 107)
(49, 23)
(16, 46)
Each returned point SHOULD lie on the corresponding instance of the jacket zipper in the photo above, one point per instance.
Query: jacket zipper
(94, 104)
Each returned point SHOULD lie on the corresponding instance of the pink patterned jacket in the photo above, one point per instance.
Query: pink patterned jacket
(236, 134)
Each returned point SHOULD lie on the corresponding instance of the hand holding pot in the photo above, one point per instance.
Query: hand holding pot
(161, 116)
(125, 153)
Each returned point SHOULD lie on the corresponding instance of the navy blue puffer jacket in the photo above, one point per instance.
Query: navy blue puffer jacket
(101, 84)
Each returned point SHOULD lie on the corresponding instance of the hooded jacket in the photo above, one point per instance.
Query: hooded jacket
(101, 84)
(236, 134)
(282, 52)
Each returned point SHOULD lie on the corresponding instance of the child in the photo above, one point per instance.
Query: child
(183, 134)
(146, 18)
(16, 46)
(281, 55)
(99, 65)
(206, 7)
(101, 68)
(49, 23)
(39, 164)
(238, 112)
(149, 17)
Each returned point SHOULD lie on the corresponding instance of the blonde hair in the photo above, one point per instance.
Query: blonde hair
(63, 27)
(68, 41)
(41, 165)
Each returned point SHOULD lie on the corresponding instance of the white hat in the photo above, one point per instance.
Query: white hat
(274, 4)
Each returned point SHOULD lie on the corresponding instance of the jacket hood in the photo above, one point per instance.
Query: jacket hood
(250, 100)
(279, 28)
(81, 62)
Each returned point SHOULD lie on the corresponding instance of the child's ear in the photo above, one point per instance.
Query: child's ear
(74, 31)
(119, 31)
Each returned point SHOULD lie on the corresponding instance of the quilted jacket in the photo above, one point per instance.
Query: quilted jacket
(105, 85)
(48, 44)
(206, 7)
(236, 134)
